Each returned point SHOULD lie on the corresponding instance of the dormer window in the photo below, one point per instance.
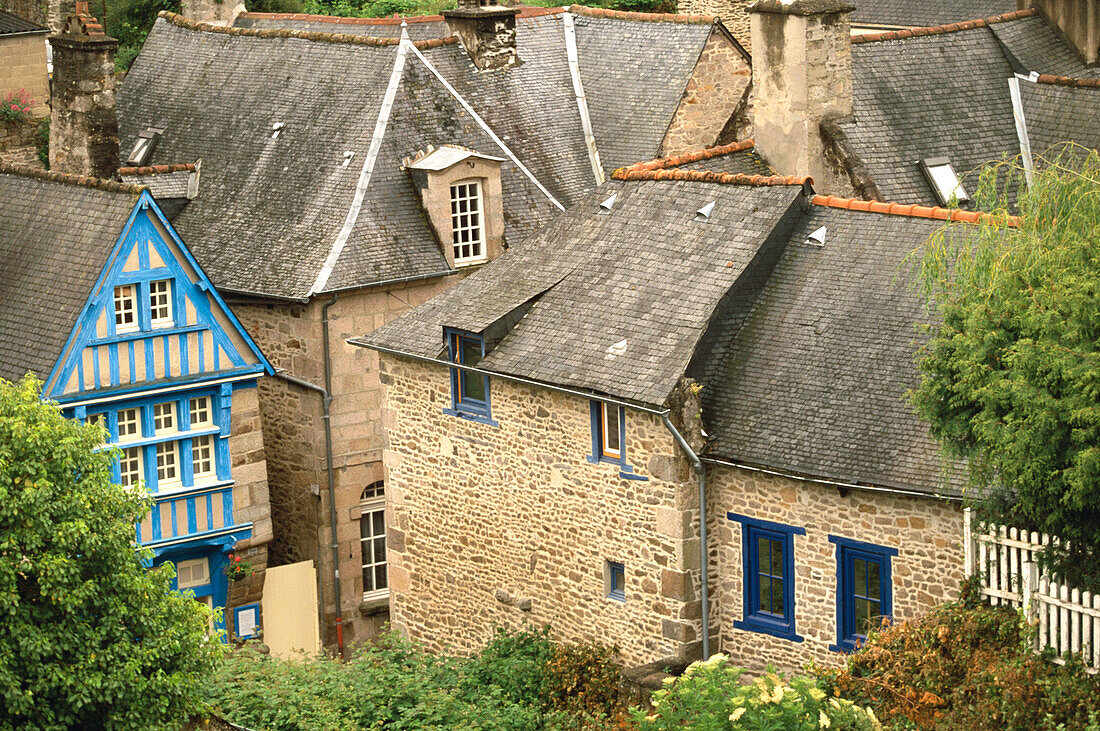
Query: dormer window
(467, 230)
(160, 303)
(941, 176)
(126, 308)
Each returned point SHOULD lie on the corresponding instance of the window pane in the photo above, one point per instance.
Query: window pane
(777, 597)
(364, 530)
(862, 615)
(611, 427)
(777, 558)
(763, 555)
(618, 579)
(763, 599)
(473, 387)
(872, 580)
(379, 519)
(471, 351)
(860, 570)
(380, 577)
(160, 307)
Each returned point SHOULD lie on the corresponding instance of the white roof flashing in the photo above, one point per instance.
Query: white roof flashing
(447, 156)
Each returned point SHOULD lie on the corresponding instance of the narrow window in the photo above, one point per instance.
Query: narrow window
(615, 581)
(129, 424)
(126, 308)
(467, 230)
(202, 456)
(767, 550)
(192, 573)
(167, 472)
(200, 411)
(372, 539)
(864, 595)
(469, 391)
(160, 302)
(608, 433)
(164, 417)
(129, 467)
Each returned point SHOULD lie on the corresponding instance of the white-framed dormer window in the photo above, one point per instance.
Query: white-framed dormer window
(164, 417)
(160, 303)
(129, 424)
(372, 540)
(467, 222)
(192, 573)
(202, 457)
(129, 467)
(126, 308)
(167, 465)
(200, 411)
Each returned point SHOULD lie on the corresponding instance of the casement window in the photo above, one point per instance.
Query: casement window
(767, 552)
(200, 411)
(164, 417)
(160, 303)
(129, 424)
(192, 573)
(864, 590)
(615, 581)
(202, 457)
(167, 464)
(126, 308)
(469, 391)
(130, 467)
(467, 222)
(372, 540)
(608, 431)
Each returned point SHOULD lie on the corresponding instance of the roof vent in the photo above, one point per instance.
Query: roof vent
(941, 176)
(605, 207)
(143, 146)
(703, 214)
(615, 350)
(817, 238)
(276, 130)
(347, 158)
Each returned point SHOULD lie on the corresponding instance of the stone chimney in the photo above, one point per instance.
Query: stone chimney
(801, 76)
(1077, 20)
(215, 12)
(487, 32)
(83, 123)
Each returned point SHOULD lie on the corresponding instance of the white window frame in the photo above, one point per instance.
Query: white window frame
(168, 448)
(202, 406)
(160, 301)
(160, 416)
(475, 206)
(368, 507)
(204, 442)
(136, 421)
(190, 565)
(131, 453)
(125, 299)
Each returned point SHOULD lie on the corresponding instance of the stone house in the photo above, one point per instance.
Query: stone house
(329, 153)
(689, 335)
(22, 68)
(135, 337)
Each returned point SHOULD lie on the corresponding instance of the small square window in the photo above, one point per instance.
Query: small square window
(467, 229)
(160, 303)
(164, 417)
(469, 391)
(767, 551)
(202, 456)
(615, 581)
(167, 464)
(130, 467)
(126, 308)
(864, 592)
(200, 411)
(129, 424)
(192, 573)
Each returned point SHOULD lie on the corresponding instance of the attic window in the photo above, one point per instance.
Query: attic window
(605, 207)
(143, 146)
(703, 214)
(941, 176)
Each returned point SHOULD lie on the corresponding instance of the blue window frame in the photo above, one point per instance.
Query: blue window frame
(609, 438)
(469, 391)
(615, 583)
(864, 593)
(767, 550)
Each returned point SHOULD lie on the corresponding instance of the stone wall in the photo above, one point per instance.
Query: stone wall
(216, 12)
(927, 532)
(23, 66)
(35, 11)
(19, 143)
(512, 525)
(715, 92)
(734, 14)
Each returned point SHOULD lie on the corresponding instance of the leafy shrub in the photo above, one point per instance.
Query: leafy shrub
(711, 697)
(965, 665)
(16, 107)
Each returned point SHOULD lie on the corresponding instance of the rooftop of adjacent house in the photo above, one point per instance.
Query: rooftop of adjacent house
(906, 13)
(944, 93)
(1056, 109)
(295, 201)
(11, 25)
(51, 223)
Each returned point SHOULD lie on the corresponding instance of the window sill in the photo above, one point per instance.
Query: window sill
(479, 418)
(768, 628)
(626, 472)
(617, 597)
(471, 262)
(375, 602)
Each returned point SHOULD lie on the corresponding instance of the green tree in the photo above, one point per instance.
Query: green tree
(90, 638)
(1011, 375)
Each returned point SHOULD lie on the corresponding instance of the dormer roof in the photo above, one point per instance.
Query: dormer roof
(441, 158)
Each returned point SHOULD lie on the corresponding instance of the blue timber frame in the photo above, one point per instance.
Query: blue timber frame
(849, 554)
(462, 405)
(758, 615)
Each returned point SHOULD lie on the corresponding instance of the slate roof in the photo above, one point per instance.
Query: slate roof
(908, 13)
(594, 281)
(51, 224)
(12, 24)
(1034, 45)
(1056, 110)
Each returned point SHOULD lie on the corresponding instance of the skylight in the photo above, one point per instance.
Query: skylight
(143, 146)
(944, 181)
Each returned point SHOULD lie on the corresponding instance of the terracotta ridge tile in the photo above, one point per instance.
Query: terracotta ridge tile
(645, 17)
(686, 158)
(1067, 81)
(707, 176)
(911, 211)
(893, 35)
(112, 186)
(347, 38)
(157, 169)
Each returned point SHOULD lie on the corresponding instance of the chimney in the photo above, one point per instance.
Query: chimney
(215, 12)
(487, 32)
(1077, 20)
(83, 123)
(801, 76)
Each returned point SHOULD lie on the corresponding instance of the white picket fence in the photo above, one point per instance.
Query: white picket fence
(1004, 559)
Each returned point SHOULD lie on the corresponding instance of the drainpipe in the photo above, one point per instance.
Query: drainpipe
(327, 417)
(704, 559)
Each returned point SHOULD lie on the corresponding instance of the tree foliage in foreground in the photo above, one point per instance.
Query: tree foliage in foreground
(1011, 378)
(89, 639)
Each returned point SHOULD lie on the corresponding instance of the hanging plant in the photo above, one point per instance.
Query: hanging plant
(237, 569)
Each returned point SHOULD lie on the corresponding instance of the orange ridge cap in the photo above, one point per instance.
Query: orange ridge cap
(686, 158)
(644, 17)
(708, 176)
(346, 38)
(910, 211)
(112, 186)
(893, 35)
(157, 169)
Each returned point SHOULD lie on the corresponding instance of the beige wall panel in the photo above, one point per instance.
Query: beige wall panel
(289, 605)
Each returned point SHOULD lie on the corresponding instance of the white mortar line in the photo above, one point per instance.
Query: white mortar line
(481, 122)
(1021, 126)
(582, 102)
(368, 165)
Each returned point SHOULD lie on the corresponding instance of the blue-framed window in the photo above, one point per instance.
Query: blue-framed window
(469, 391)
(615, 581)
(767, 551)
(609, 438)
(864, 593)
